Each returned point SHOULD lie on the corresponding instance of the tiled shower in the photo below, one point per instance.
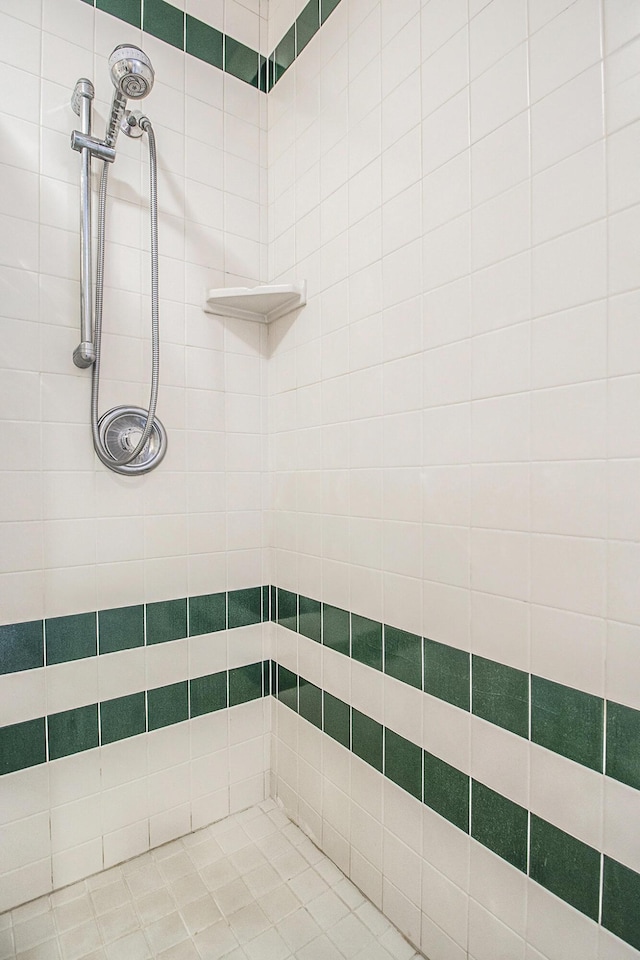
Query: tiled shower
(388, 573)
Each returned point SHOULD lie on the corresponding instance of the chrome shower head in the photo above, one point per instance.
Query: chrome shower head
(131, 72)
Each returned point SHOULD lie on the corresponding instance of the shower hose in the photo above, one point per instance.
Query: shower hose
(121, 465)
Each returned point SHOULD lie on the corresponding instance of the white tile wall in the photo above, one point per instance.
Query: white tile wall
(491, 229)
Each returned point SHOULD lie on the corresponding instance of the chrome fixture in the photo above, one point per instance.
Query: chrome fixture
(128, 440)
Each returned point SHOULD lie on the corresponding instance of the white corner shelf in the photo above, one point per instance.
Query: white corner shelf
(262, 304)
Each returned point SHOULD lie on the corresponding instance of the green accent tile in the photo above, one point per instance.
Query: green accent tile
(204, 42)
(208, 693)
(272, 604)
(307, 25)
(366, 641)
(70, 638)
(403, 656)
(567, 721)
(166, 620)
(266, 677)
(245, 607)
(241, 61)
(73, 731)
(403, 763)
(245, 683)
(274, 678)
(565, 866)
(287, 609)
(263, 75)
(446, 673)
(22, 745)
(327, 7)
(310, 618)
(128, 10)
(620, 913)
(164, 21)
(207, 614)
(21, 646)
(501, 695)
(623, 744)
(310, 699)
(367, 739)
(121, 628)
(446, 790)
(167, 705)
(335, 628)
(123, 717)
(336, 719)
(499, 824)
(285, 52)
(266, 613)
(271, 72)
(288, 688)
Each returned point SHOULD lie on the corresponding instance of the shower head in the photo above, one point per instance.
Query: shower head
(132, 76)
(131, 72)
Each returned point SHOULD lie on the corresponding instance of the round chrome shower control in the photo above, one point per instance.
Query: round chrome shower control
(120, 431)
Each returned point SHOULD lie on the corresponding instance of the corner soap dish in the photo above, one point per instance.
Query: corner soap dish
(262, 304)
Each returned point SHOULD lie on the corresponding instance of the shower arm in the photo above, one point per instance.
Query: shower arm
(82, 141)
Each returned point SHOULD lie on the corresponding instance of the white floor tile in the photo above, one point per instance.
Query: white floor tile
(251, 887)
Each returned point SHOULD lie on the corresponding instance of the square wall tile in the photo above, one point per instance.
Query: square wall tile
(70, 638)
(446, 790)
(207, 614)
(123, 717)
(623, 744)
(121, 628)
(288, 688)
(167, 705)
(403, 763)
(22, 745)
(310, 618)
(244, 607)
(366, 641)
(336, 719)
(307, 25)
(245, 683)
(203, 42)
(241, 61)
(72, 731)
(208, 693)
(501, 695)
(446, 673)
(567, 867)
(499, 824)
(335, 628)
(288, 609)
(21, 646)
(367, 737)
(166, 620)
(310, 702)
(128, 10)
(568, 722)
(164, 21)
(620, 901)
(326, 8)
(403, 656)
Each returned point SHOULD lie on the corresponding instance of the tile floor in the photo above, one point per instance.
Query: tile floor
(251, 887)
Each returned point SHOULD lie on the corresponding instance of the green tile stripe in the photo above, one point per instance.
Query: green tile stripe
(562, 864)
(193, 36)
(58, 735)
(562, 719)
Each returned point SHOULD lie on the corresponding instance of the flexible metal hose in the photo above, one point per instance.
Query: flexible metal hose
(124, 465)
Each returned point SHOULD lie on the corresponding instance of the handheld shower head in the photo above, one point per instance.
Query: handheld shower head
(131, 72)
(132, 76)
